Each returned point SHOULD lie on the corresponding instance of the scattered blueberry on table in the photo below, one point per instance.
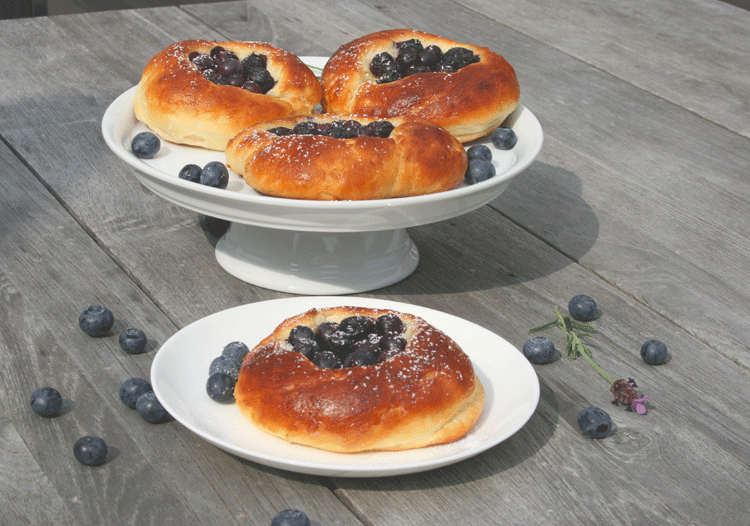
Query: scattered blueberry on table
(594, 422)
(145, 145)
(582, 308)
(131, 389)
(503, 138)
(290, 517)
(479, 170)
(46, 402)
(90, 450)
(220, 387)
(215, 175)
(96, 321)
(133, 341)
(150, 409)
(191, 172)
(654, 352)
(539, 350)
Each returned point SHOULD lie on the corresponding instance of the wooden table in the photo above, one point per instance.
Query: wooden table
(639, 198)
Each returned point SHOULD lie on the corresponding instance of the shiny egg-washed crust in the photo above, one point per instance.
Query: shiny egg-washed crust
(427, 394)
(469, 103)
(180, 105)
(417, 158)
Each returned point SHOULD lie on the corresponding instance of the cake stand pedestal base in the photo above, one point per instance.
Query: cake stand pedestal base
(317, 263)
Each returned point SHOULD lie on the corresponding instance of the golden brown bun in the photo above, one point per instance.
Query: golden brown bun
(427, 394)
(469, 103)
(417, 158)
(180, 105)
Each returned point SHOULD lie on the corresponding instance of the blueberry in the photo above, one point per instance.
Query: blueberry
(290, 518)
(479, 151)
(327, 360)
(594, 422)
(582, 308)
(131, 389)
(145, 145)
(479, 170)
(225, 364)
(503, 138)
(90, 450)
(539, 350)
(46, 402)
(215, 175)
(299, 333)
(133, 341)
(360, 357)
(220, 387)
(191, 172)
(235, 350)
(389, 323)
(96, 321)
(150, 409)
(654, 352)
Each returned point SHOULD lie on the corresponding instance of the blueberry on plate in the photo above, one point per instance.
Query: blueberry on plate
(582, 308)
(220, 387)
(133, 341)
(90, 450)
(96, 321)
(145, 145)
(654, 352)
(46, 402)
(290, 517)
(594, 422)
(479, 151)
(215, 175)
(539, 350)
(131, 389)
(503, 138)
(479, 170)
(150, 409)
(191, 172)
(225, 364)
(236, 350)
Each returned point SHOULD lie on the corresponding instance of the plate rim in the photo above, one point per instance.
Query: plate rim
(344, 469)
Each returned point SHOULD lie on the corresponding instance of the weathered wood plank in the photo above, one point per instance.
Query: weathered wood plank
(693, 54)
(50, 271)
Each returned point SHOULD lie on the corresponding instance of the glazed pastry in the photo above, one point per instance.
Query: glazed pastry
(352, 379)
(335, 157)
(203, 93)
(466, 89)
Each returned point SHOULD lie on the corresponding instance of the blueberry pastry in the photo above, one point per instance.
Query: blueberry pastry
(466, 89)
(203, 93)
(335, 157)
(352, 379)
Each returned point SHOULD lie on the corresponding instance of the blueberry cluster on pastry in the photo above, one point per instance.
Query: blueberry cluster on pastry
(353, 379)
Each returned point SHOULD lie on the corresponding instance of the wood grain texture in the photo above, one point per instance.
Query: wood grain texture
(657, 237)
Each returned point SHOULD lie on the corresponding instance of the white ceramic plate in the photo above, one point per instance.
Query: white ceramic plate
(240, 203)
(180, 370)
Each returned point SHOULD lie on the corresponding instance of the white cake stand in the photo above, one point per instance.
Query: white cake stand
(312, 247)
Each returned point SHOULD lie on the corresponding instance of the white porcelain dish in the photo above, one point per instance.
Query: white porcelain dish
(312, 247)
(240, 203)
(180, 370)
